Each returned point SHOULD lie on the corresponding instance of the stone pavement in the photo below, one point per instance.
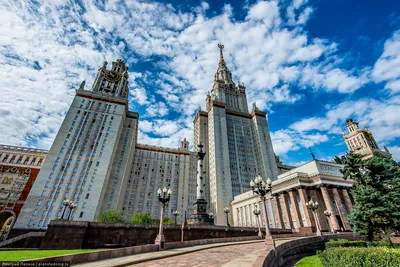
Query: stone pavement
(233, 254)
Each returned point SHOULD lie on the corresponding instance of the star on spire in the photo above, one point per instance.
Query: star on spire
(221, 56)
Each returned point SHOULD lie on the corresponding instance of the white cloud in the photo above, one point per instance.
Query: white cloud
(387, 67)
(395, 151)
(49, 47)
(381, 117)
(289, 140)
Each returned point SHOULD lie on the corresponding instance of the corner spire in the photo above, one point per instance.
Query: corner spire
(221, 56)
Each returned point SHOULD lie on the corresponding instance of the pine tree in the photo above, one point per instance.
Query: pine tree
(376, 192)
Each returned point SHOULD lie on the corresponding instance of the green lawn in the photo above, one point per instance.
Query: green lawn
(19, 255)
(311, 261)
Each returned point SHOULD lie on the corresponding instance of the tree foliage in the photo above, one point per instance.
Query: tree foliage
(376, 191)
(141, 218)
(111, 216)
(144, 218)
(339, 160)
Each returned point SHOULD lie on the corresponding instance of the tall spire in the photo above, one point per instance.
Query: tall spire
(221, 56)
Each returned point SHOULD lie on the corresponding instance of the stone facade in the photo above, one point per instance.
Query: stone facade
(320, 180)
(237, 143)
(19, 167)
(96, 162)
(243, 207)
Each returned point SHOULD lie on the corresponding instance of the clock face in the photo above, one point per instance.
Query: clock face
(112, 76)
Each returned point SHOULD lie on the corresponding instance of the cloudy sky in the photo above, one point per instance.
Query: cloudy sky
(309, 64)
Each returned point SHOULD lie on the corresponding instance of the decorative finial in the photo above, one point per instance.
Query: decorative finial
(221, 56)
(82, 86)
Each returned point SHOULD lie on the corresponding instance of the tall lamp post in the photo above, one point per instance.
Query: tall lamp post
(227, 210)
(328, 215)
(257, 212)
(175, 213)
(164, 197)
(262, 189)
(65, 204)
(72, 206)
(313, 206)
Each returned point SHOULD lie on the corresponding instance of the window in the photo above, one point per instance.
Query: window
(87, 196)
(47, 184)
(84, 205)
(34, 213)
(39, 202)
(81, 215)
(43, 193)
(30, 223)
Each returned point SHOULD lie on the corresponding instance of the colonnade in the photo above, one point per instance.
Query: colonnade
(244, 216)
(291, 210)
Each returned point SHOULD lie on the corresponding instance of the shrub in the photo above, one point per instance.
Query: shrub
(141, 218)
(166, 221)
(360, 257)
(111, 216)
(346, 243)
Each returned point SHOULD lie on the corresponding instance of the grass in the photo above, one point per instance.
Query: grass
(311, 261)
(20, 255)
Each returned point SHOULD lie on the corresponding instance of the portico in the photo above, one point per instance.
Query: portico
(323, 182)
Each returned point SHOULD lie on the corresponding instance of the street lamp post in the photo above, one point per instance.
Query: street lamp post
(313, 206)
(65, 204)
(328, 215)
(72, 206)
(163, 196)
(257, 212)
(175, 213)
(227, 210)
(262, 189)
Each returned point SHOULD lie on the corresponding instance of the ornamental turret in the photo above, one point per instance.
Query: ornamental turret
(112, 82)
(361, 142)
(224, 90)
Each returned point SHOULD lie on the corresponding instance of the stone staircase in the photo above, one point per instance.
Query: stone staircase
(31, 237)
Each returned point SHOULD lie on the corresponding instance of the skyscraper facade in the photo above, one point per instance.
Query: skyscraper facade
(96, 161)
(237, 143)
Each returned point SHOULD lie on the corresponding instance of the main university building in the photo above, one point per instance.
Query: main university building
(97, 162)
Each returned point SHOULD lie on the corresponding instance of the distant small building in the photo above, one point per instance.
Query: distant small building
(362, 142)
(19, 167)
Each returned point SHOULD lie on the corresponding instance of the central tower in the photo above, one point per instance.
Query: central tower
(237, 143)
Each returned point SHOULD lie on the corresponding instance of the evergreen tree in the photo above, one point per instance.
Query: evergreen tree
(111, 216)
(376, 192)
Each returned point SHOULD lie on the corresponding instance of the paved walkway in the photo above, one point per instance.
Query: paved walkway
(232, 254)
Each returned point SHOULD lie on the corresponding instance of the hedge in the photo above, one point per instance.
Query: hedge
(346, 243)
(360, 257)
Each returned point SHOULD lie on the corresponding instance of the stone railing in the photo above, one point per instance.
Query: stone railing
(301, 247)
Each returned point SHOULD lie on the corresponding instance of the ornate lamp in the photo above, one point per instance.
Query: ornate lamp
(164, 197)
(313, 206)
(262, 188)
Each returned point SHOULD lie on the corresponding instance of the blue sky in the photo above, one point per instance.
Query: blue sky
(309, 64)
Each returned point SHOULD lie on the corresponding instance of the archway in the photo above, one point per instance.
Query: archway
(7, 219)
